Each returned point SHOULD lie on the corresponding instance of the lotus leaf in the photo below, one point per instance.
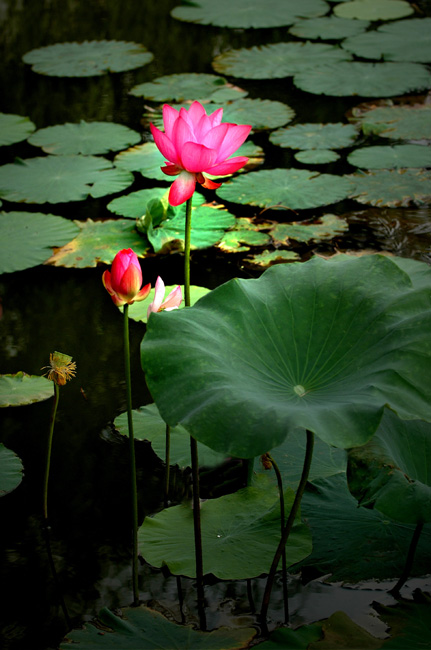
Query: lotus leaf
(134, 205)
(364, 79)
(354, 338)
(330, 225)
(249, 13)
(188, 86)
(11, 470)
(138, 310)
(59, 179)
(297, 189)
(401, 155)
(299, 639)
(267, 258)
(408, 621)
(391, 121)
(316, 156)
(21, 388)
(27, 238)
(373, 9)
(392, 187)
(328, 28)
(87, 59)
(144, 158)
(14, 128)
(245, 234)
(84, 138)
(315, 136)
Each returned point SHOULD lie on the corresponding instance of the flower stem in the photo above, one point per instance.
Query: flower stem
(283, 557)
(48, 450)
(287, 528)
(187, 252)
(167, 462)
(133, 486)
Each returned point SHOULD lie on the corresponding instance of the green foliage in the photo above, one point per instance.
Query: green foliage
(316, 156)
(401, 155)
(144, 158)
(392, 188)
(11, 469)
(188, 86)
(84, 138)
(21, 388)
(14, 128)
(315, 136)
(134, 205)
(328, 28)
(373, 9)
(392, 121)
(328, 226)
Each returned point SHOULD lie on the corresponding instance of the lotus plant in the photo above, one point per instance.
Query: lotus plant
(172, 301)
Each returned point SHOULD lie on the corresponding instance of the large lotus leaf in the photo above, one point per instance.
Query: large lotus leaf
(298, 639)
(100, 241)
(409, 622)
(84, 138)
(248, 519)
(392, 187)
(373, 9)
(134, 205)
(355, 544)
(328, 226)
(21, 388)
(11, 470)
(278, 59)
(401, 155)
(144, 158)
(59, 179)
(322, 345)
(249, 13)
(148, 425)
(399, 122)
(316, 156)
(27, 238)
(364, 79)
(145, 629)
(315, 136)
(297, 189)
(188, 86)
(392, 472)
(87, 59)
(14, 128)
(328, 28)
(138, 310)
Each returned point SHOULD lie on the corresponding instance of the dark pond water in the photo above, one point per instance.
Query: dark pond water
(46, 309)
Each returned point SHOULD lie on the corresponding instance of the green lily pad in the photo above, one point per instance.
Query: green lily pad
(59, 179)
(401, 155)
(392, 121)
(316, 156)
(134, 205)
(14, 128)
(20, 389)
(146, 629)
(100, 241)
(249, 13)
(299, 639)
(87, 59)
(84, 138)
(245, 234)
(324, 346)
(364, 79)
(188, 86)
(328, 28)
(144, 158)
(248, 519)
(138, 310)
(328, 226)
(392, 187)
(297, 189)
(27, 238)
(278, 59)
(391, 473)
(315, 136)
(342, 531)
(373, 9)
(11, 469)
(409, 622)
(148, 425)
(267, 257)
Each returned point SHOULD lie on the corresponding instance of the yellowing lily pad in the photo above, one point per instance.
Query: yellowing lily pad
(373, 9)
(188, 86)
(392, 188)
(327, 227)
(14, 128)
(84, 138)
(268, 258)
(315, 136)
(20, 389)
(245, 234)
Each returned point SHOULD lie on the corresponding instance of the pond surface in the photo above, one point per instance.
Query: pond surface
(49, 308)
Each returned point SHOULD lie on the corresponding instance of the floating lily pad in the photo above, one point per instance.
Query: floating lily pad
(249, 13)
(148, 425)
(87, 59)
(20, 389)
(59, 179)
(144, 628)
(364, 79)
(100, 241)
(297, 189)
(392, 188)
(249, 518)
(27, 238)
(401, 155)
(268, 258)
(278, 59)
(316, 156)
(138, 310)
(315, 136)
(84, 138)
(11, 469)
(14, 128)
(408, 621)
(134, 205)
(328, 28)
(188, 86)
(328, 226)
(144, 158)
(392, 121)
(373, 9)
(245, 234)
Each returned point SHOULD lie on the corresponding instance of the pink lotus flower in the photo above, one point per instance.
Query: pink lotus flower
(123, 282)
(195, 143)
(173, 300)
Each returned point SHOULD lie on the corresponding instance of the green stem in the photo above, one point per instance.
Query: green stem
(395, 591)
(283, 557)
(167, 462)
(187, 252)
(48, 450)
(133, 485)
(287, 529)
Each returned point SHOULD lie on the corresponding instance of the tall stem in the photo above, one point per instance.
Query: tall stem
(283, 557)
(48, 450)
(395, 591)
(187, 252)
(133, 485)
(288, 528)
(167, 462)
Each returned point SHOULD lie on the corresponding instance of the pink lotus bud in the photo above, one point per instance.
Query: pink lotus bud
(123, 282)
(172, 301)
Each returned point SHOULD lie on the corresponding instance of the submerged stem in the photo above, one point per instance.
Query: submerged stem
(395, 591)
